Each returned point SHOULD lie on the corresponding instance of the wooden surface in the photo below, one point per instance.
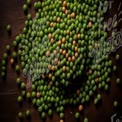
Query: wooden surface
(11, 13)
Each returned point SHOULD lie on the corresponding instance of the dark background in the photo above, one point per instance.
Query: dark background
(11, 13)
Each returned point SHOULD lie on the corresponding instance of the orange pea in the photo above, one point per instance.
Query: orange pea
(69, 59)
(58, 19)
(74, 42)
(50, 75)
(38, 94)
(48, 53)
(64, 3)
(76, 49)
(49, 35)
(64, 68)
(80, 107)
(89, 24)
(76, 55)
(12, 61)
(64, 52)
(63, 40)
(78, 36)
(63, 9)
(59, 42)
(73, 58)
(72, 15)
(90, 72)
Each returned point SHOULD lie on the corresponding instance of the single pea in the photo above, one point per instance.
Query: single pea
(3, 68)
(61, 115)
(19, 99)
(117, 56)
(8, 28)
(115, 24)
(28, 95)
(27, 113)
(99, 96)
(118, 81)
(50, 112)
(106, 87)
(34, 101)
(3, 74)
(28, 2)
(115, 103)
(25, 8)
(5, 56)
(43, 115)
(23, 93)
(33, 94)
(17, 68)
(23, 86)
(114, 68)
(18, 81)
(3, 62)
(8, 47)
(95, 101)
(77, 115)
(20, 115)
(14, 54)
(85, 119)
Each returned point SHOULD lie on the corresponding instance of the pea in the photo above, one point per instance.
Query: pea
(118, 80)
(117, 56)
(50, 112)
(85, 119)
(18, 81)
(77, 115)
(5, 56)
(23, 86)
(115, 103)
(43, 115)
(8, 28)
(27, 113)
(20, 115)
(61, 115)
(19, 99)
(17, 68)
(28, 2)
(8, 47)
(25, 8)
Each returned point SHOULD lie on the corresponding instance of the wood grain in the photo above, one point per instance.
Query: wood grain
(11, 13)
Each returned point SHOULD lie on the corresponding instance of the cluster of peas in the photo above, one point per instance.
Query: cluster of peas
(54, 49)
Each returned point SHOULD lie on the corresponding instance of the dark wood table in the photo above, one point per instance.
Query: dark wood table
(11, 13)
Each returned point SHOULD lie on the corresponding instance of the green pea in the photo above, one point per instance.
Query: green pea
(23, 93)
(25, 8)
(18, 81)
(8, 47)
(28, 2)
(61, 115)
(43, 115)
(115, 103)
(27, 113)
(17, 68)
(19, 99)
(8, 28)
(114, 68)
(23, 86)
(117, 56)
(20, 115)
(118, 80)
(85, 119)
(77, 115)
(14, 54)
(5, 56)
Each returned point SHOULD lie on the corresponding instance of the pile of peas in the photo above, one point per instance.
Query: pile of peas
(55, 48)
